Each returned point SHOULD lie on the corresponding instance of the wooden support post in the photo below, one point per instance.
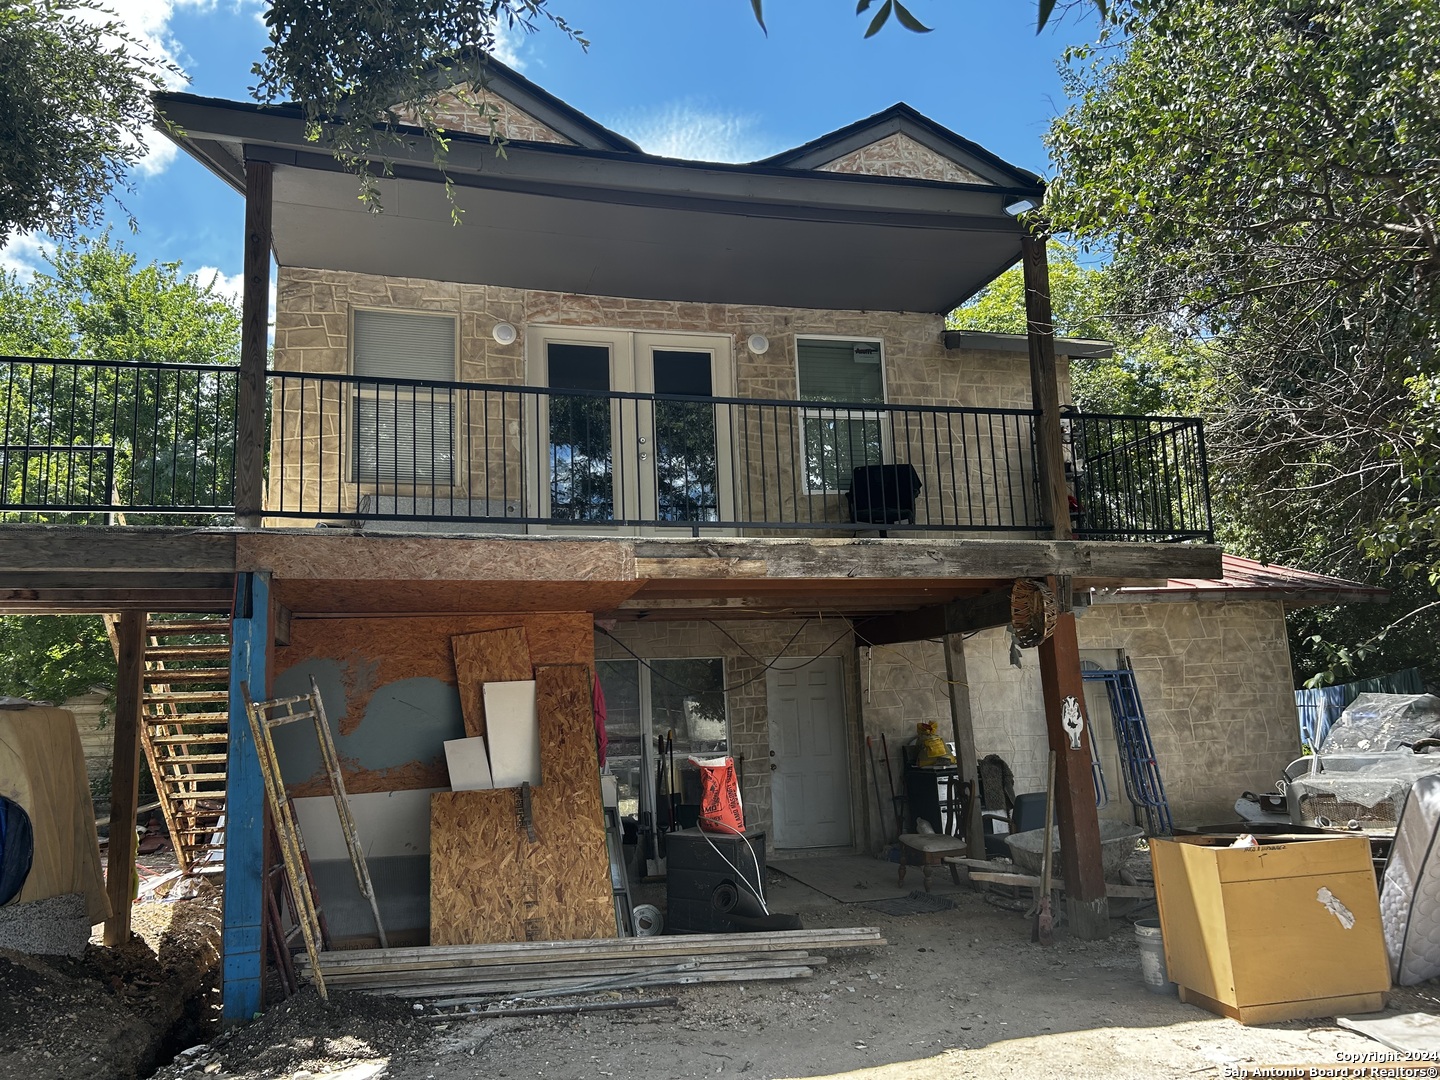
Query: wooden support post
(1045, 380)
(254, 327)
(125, 774)
(1060, 679)
(243, 966)
(964, 728)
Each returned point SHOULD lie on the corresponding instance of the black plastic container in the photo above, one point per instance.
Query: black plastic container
(706, 884)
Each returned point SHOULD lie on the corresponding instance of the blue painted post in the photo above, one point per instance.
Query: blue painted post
(243, 933)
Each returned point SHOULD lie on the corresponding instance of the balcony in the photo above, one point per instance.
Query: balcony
(96, 442)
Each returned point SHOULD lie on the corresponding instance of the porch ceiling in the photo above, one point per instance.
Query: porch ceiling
(633, 225)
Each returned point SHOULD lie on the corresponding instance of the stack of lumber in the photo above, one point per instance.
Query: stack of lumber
(456, 974)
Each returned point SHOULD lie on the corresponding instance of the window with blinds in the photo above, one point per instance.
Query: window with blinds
(841, 431)
(403, 434)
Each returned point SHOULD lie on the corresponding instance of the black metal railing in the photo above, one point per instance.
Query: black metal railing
(355, 449)
(1139, 478)
(84, 439)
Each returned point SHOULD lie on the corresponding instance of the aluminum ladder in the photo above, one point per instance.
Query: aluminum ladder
(1143, 785)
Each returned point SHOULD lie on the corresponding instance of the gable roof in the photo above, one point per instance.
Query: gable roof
(902, 119)
(602, 217)
(1247, 579)
(491, 75)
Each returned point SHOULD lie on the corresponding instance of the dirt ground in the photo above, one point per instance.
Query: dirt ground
(956, 993)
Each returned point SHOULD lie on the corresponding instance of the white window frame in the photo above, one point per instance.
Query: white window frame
(374, 482)
(817, 412)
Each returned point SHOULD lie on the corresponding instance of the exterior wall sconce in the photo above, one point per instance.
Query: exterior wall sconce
(757, 344)
(504, 334)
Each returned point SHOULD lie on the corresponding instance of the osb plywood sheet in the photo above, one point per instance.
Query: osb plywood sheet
(488, 880)
(373, 654)
(435, 558)
(492, 656)
(410, 597)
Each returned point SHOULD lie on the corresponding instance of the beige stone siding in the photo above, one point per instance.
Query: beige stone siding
(900, 155)
(313, 313)
(1214, 680)
(755, 644)
(475, 112)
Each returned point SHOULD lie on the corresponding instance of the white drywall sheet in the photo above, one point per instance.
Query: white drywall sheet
(387, 822)
(513, 732)
(469, 764)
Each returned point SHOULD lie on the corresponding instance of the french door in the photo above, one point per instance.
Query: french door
(604, 453)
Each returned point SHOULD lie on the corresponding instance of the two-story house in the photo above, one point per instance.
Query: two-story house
(698, 426)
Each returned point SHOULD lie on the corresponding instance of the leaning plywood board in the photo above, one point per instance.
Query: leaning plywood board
(513, 734)
(389, 823)
(489, 880)
(489, 656)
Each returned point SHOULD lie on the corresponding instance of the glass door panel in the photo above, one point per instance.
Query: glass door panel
(581, 454)
(624, 730)
(686, 487)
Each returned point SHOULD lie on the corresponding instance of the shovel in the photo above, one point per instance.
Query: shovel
(1044, 928)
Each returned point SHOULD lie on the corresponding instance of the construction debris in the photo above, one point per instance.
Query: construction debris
(462, 974)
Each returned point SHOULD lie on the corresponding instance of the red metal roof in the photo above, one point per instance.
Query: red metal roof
(1246, 579)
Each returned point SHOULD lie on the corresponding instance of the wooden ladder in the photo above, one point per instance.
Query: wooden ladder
(185, 731)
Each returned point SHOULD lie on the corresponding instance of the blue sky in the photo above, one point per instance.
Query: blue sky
(686, 78)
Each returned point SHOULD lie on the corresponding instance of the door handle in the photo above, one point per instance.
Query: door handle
(642, 440)
(773, 766)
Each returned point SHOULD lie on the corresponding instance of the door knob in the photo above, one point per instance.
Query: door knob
(642, 440)
(773, 766)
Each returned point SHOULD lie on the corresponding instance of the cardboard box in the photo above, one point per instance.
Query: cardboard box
(1287, 930)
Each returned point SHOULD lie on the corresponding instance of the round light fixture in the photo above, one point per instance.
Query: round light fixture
(758, 343)
(504, 334)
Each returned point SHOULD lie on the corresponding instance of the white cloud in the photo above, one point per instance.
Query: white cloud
(229, 285)
(24, 255)
(147, 25)
(683, 129)
(508, 41)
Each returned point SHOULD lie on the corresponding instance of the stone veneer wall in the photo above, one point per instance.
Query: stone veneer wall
(746, 704)
(1214, 679)
(900, 155)
(312, 334)
(474, 111)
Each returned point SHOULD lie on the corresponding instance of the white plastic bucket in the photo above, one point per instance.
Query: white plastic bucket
(1152, 956)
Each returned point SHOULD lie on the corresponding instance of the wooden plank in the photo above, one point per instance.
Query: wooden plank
(852, 561)
(1075, 812)
(489, 880)
(963, 727)
(138, 581)
(119, 548)
(1138, 892)
(687, 944)
(559, 971)
(677, 979)
(417, 598)
(1044, 378)
(335, 555)
(490, 656)
(254, 342)
(125, 776)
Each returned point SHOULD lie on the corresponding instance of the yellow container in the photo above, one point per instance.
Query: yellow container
(1286, 930)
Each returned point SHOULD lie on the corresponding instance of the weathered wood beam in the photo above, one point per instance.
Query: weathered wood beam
(254, 339)
(125, 775)
(33, 548)
(987, 610)
(155, 581)
(1075, 813)
(963, 726)
(102, 602)
(1045, 378)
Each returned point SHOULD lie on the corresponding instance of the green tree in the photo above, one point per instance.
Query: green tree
(75, 97)
(1152, 372)
(1265, 177)
(53, 657)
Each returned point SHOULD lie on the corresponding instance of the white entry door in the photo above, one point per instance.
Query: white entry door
(810, 774)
